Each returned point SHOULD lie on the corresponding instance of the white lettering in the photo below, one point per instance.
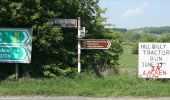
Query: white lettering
(5, 56)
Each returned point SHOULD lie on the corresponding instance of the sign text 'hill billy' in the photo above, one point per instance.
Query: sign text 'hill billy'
(154, 60)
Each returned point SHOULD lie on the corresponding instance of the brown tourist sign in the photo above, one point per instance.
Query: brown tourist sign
(95, 44)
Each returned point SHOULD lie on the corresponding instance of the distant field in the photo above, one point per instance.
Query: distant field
(128, 61)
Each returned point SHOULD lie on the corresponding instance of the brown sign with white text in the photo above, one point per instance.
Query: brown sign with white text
(95, 44)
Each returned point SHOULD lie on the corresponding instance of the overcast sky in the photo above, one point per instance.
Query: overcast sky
(137, 13)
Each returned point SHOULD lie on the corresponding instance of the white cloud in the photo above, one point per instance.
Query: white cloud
(135, 11)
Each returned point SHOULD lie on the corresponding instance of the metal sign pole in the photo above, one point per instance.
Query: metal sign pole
(16, 71)
(79, 45)
(79, 56)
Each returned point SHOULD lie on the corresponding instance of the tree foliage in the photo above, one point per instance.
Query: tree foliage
(54, 50)
(152, 30)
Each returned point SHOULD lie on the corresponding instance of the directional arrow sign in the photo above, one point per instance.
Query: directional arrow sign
(15, 45)
(13, 54)
(64, 23)
(14, 36)
(95, 44)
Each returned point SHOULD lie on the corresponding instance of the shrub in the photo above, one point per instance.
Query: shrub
(135, 48)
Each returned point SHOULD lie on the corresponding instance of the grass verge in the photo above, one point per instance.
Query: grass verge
(127, 58)
(128, 61)
(86, 85)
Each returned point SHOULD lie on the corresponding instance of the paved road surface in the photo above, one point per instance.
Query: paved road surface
(81, 98)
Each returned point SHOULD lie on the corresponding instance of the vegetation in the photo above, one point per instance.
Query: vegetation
(123, 30)
(127, 59)
(121, 85)
(125, 83)
(150, 38)
(54, 54)
(152, 30)
(54, 50)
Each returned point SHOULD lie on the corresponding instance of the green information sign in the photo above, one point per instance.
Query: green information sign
(14, 36)
(13, 53)
(15, 45)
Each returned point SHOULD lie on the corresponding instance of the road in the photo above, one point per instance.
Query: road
(80, 98)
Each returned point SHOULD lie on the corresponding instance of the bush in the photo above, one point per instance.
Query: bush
(135, 48)
(53, 70)
(165, 38)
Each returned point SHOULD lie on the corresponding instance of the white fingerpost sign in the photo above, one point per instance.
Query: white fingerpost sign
(154, 60)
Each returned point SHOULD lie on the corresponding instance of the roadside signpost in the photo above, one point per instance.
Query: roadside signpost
(95, 44)
(15, 46)
(82, 43)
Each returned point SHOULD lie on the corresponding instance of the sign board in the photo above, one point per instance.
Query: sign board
(81, 32)
(95, 44)
(8, 36)
(15, 45)
(13, 53)
(154, 60)
(64, 23)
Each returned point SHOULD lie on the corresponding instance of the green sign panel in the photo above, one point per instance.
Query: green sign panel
(8, 36)
(13, 53)
(15, 45)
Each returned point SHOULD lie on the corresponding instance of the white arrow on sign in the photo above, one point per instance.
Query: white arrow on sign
(109, 44)
(25, 37)
(24, 53)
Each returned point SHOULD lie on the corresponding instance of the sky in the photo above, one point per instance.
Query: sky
(132, 14)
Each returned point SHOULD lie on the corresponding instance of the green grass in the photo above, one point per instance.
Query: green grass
(87, 85)
(128, 61)
(127, 58)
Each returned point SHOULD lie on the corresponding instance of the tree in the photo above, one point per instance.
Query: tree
(54, 50)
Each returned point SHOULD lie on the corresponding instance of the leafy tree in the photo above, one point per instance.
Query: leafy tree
(54, 50)
(144, 38)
